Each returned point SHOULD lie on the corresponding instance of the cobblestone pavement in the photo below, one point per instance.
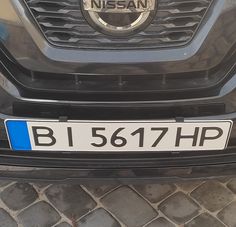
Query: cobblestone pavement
(190, 204)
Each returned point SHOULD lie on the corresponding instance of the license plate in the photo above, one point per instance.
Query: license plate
(26, 135)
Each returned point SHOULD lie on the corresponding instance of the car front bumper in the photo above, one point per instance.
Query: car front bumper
(117, 167)
(122, 167)
(121, 170)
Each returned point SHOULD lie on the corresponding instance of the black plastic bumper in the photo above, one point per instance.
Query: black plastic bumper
(152, 170)
(123, 167)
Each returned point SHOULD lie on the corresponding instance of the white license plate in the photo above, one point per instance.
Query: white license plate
(118, 135)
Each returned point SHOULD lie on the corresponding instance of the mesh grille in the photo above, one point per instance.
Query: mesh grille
(63, 24)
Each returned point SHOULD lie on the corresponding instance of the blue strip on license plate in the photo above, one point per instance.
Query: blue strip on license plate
(18, 135)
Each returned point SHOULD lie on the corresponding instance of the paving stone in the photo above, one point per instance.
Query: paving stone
(98, 218)
(64, 224)
(100, 190)
(19, 196)
(123, 203)
(232, 185)
(4, 183)
(213, 195)
(189, 186)
(41, 185)
(155, 192)
(6, 220)
(160, 222)
(40, 214)
(223, 179)
(205, 220)
(70, 199)
(227, 215)
(129, 207)
(179, 208)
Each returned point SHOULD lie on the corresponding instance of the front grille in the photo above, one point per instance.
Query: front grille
(63, 25)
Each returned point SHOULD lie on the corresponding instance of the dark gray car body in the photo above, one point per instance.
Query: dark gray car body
(193, 81)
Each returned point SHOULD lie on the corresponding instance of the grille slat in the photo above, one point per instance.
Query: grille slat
(63, 24)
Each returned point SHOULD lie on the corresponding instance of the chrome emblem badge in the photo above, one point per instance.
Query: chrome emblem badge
(119, 17)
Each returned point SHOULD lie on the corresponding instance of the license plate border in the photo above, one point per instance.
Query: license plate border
(119, 121)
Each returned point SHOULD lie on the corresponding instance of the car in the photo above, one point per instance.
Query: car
(117, 90)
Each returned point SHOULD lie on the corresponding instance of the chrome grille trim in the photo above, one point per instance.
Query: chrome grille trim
(63, 24)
